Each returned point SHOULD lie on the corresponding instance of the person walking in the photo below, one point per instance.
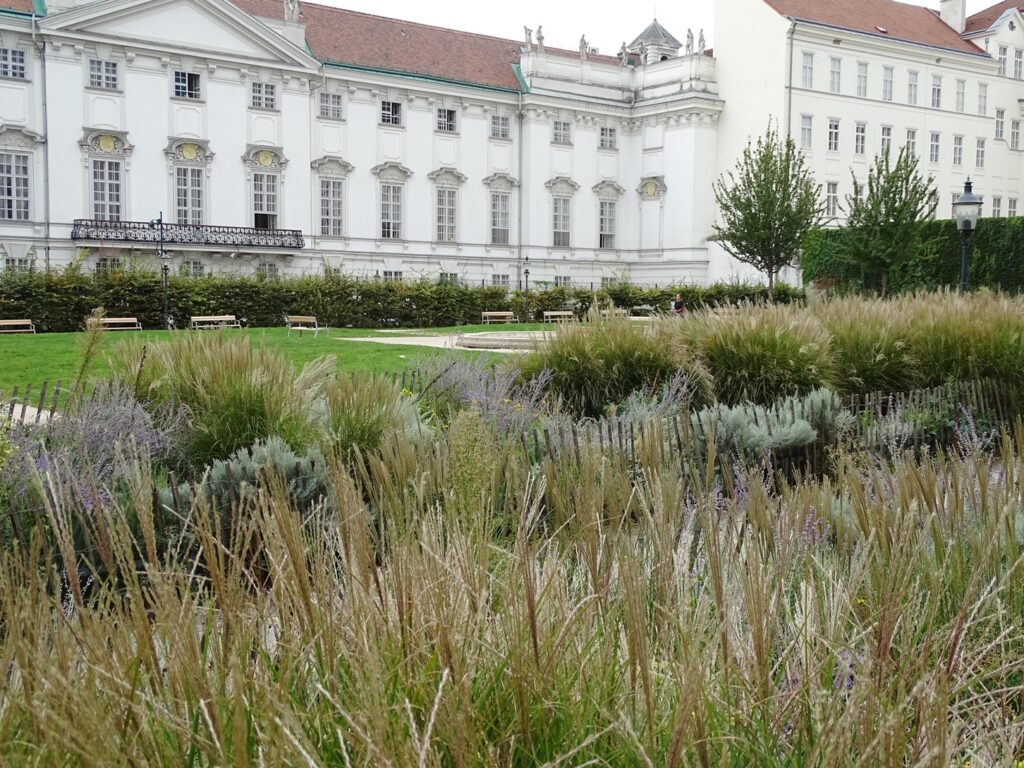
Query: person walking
(678, 307)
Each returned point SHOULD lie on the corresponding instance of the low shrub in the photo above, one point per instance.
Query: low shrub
(235, 394)
(758, 354)
(594, 365)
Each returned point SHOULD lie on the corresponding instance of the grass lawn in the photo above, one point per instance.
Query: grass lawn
(32, 359)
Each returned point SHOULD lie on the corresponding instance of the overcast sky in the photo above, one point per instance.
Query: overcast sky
(606, 24)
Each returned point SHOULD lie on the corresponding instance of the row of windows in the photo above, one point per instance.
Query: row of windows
(832, 201)
(1018, 62)
(860, 131)
(887, 93)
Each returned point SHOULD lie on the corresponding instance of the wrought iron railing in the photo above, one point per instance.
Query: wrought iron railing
(185, 234)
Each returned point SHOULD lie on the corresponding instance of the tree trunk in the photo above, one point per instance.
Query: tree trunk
(885, 282)
(771, 286)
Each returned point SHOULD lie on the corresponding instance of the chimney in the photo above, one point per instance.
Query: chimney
(954, 13)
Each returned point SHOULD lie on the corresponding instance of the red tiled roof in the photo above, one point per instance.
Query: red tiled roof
(982, 20)
(900, 21)
(362, 39)
(25, 6)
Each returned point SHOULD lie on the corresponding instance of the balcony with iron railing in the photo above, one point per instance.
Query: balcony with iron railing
(185, 234)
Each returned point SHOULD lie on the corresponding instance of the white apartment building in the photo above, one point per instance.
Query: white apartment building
(277, 136)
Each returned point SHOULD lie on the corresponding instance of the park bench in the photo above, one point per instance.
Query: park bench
(302, 323)
(17, 326)
(120, 324)
(560, 315)
(607, 314)
(498, 317)
(207, 322)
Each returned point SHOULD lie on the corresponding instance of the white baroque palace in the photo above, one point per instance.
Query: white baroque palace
(277, 136)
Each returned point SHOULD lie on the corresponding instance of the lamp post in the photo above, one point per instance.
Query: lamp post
(966, 211)
(165, 268)
(526, 305)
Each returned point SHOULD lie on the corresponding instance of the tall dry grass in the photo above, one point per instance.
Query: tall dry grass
(625, 619)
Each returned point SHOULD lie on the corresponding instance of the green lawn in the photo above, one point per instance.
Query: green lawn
(32, 359)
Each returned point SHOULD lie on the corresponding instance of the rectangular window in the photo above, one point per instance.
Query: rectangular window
(997, 207)
(860, 135)
(833, 135)
(264, 96)
(960, 96)
(267, 270)
(332, 197)
(264, 200)
(1018, 64)
(331, 106)
(13, 186)
(500, 281)
(562, 281)
(911, 141)
(446, 215)
(1015, 134)
(103, 74)
(937, 91)
(20, 266)
(887, 74)
(562, 133)
(449, 278)
(934, 151)
(835, 75)
(500, 205)
(106, 190)
(982, 98)
(886, 139)
(979, 153)
(187, 85)
(560, 207)
(808, 70)
(1000, 123)
(912, 88)
(958, 150)
(391, 211)
(832, 199)
(862, 79)
(608, 138)
(1002, 60)
(446, 120)
(188, 189)
(500, 127)
(390, 113)
(192, 268)
(12, 63)
(806, 131)
(606, 225)
(1011, 206)
(392, 276)
(108, 265)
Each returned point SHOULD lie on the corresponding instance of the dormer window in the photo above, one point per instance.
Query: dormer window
(187, 85)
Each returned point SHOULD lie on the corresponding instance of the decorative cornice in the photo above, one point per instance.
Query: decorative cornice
(19, 136)
(331, 166)
(501, 181)
(652, 187)
(184, 151)
(391, 171)
(562, 185)
(100, 142)
(608, 188)
(261, 157)
(447, 177)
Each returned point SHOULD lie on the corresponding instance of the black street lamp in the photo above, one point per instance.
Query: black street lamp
(526, 305)
(165, 269)
(966, 211)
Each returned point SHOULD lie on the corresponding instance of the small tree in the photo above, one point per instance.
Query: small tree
(767, 204)
(883, 223)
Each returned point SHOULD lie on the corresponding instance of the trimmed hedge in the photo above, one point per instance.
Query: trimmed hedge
(997, 259)
(60, 300)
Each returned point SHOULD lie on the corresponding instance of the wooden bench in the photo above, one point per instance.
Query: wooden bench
(560, 315)
(497, 317)
(610, 313)
(302, 323)
(17, 326)
(120, 324)
(208, 322)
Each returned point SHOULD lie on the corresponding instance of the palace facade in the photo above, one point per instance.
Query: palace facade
(274, 137)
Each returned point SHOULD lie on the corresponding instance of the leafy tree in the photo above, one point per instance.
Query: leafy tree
(883, 223)
(767, 204)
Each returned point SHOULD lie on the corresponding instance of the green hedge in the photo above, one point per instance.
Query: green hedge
(997, 259)
(60, 300)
